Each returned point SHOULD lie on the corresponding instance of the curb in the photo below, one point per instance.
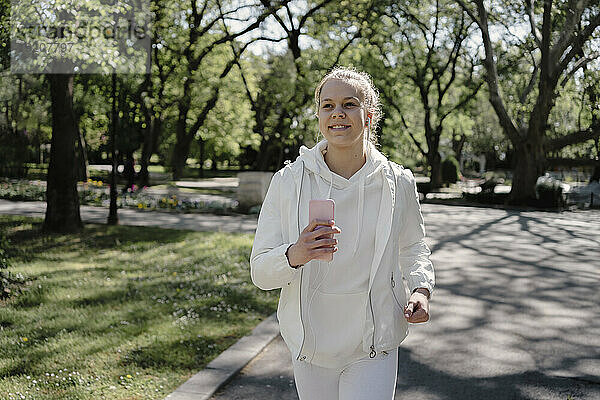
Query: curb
(222, 369)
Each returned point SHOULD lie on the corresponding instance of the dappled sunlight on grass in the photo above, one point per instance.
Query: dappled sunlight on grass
(152, 304)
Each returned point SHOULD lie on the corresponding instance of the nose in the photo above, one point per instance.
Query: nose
(338, 113)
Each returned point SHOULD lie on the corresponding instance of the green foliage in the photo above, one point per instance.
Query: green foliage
(22, 191)
(381, 38)
(4, 34)
(92, 37)
(228, 127)
(450, 170)
(24, 119)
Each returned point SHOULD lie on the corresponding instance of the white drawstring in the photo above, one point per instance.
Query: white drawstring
(330, 185)
(359, 211)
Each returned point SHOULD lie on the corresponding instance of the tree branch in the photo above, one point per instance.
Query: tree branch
(581, 63)
(453, 59)
(210, 104)
(546, 62)
(577, 43)
(573, 138)
(413, 138)
(534, 30)
(290, 17)
(489, 63)
(270, 10)
(574, 11)
(352, 39)
(267, 4)
(463, 102)
(470, 13)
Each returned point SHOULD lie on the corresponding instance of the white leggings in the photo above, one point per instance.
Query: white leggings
(365, 379)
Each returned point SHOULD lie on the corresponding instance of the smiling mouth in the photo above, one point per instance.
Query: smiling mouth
(339, 127)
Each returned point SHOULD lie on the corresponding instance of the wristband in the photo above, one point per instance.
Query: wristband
(428, 292)
(288, 258)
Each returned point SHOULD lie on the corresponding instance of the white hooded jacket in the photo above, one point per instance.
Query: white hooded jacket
(399, 251)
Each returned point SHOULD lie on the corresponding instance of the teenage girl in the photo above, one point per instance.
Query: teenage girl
(343, 320)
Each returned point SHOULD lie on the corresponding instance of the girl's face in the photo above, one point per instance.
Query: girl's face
(341, 114)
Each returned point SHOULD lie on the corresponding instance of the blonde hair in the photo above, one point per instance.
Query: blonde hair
(363, 82)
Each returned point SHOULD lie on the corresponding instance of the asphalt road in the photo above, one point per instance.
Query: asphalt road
(515, 314)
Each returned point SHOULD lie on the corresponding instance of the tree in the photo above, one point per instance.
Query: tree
(56, 41)
(282, 102)
(557, 48)
(429, 58)
(200, 42)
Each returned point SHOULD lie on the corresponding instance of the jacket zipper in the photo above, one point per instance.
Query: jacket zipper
(301, 320)
(373, 353)
(301, 271)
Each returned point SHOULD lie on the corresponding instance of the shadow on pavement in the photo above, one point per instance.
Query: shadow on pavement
(515, 313)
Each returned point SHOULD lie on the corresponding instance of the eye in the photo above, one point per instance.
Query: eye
(327, 106)
(350, 104)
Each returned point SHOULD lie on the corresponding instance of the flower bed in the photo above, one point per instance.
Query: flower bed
(97, 193)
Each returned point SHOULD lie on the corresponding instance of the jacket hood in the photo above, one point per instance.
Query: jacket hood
(313, 161)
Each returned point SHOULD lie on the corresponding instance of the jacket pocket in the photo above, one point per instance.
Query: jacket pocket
(393, 288)
(283, 299)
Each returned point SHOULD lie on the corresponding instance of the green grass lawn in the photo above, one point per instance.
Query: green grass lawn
(121, 312)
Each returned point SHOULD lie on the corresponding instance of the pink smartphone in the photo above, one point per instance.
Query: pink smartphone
(322, 209)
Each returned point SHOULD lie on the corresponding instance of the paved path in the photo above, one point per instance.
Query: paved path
(128, 216)
(515, 315)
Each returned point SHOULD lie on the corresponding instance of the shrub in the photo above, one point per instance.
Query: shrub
(486, 197)
(424, 187)
(450, 170)
(549, 192)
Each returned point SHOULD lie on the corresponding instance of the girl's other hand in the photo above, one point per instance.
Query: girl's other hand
(417, 310)
(315, 241)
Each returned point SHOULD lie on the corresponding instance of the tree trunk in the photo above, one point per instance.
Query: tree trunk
(180, 153)
(82, 160)
(596, 174)
(530, 152)
(435, 163)
(150, 146)
(144, 177)
(434, 159)
(202, 157)
(129, 171)
(529, 164)
(62, 211)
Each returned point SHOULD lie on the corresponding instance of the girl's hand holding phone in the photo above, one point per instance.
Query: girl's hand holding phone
(315, 242)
